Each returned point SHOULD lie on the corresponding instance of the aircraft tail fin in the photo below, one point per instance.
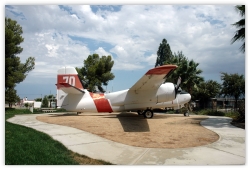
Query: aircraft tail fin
(68, 80)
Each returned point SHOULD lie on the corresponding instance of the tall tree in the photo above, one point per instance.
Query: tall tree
(233, 86)
(15, 71)
(164, 53)
(96, 72)
(240, 25)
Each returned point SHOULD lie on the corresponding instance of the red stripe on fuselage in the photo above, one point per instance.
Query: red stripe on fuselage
(102, 104)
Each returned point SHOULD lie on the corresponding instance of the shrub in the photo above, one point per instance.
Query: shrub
(241, 116)
(26, 105)
(209, 112)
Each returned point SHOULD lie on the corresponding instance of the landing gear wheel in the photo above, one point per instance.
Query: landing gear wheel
(139, 112)
(186, 114)
(148, 113)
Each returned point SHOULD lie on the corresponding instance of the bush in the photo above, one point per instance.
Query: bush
(234, 115)
(26, 105)
(241, 116)
(209, 112)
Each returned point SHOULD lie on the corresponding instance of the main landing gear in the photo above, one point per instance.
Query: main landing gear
(148, 113)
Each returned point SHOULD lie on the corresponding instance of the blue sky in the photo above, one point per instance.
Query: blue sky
(64, 35)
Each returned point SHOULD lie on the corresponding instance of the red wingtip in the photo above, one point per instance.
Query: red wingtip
(164, 69)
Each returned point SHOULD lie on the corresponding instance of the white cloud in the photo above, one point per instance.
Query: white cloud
(127, 66)
(102, 52)
(132, 34)
(151, 59)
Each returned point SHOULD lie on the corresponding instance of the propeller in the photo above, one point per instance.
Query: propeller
(177, 86)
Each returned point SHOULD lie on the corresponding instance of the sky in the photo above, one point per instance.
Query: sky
(65, 35)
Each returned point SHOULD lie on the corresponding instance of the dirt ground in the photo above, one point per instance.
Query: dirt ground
(162, 131)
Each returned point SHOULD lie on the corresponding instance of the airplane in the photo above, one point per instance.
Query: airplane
(147, 93)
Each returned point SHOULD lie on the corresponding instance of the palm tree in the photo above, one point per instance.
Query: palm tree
(192, 76)
(240, 33)
(188, 71)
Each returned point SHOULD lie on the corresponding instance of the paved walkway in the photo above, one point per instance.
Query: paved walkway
(230, 149)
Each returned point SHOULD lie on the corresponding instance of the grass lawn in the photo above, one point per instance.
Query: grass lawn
(26, 146)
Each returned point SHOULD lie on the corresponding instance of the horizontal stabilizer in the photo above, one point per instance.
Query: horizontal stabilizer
(67, 88)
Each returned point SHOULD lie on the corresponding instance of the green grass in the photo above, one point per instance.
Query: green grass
(26, 146)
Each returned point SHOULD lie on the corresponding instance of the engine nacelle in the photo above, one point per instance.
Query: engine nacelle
(166, 92)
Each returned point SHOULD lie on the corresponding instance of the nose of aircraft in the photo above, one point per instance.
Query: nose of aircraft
(188, 97)
(184, 97)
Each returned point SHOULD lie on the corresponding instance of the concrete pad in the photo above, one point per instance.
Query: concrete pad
(189, 156)
(113, 152)
(228, 150)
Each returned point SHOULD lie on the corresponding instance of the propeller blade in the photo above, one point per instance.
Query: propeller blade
(177, 86)
(178, 83)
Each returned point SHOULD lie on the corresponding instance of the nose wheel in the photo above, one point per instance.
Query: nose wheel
(186, 113)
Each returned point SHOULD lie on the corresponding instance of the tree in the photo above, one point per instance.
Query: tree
(38, 99)
(96, 72)
(164, 53)
(240, 25)
(45, 102)
(206, 91)
(15, 71)
(233, 85)
(11, 96)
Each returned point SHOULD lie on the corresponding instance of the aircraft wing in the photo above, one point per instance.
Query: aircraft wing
(153, 78)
